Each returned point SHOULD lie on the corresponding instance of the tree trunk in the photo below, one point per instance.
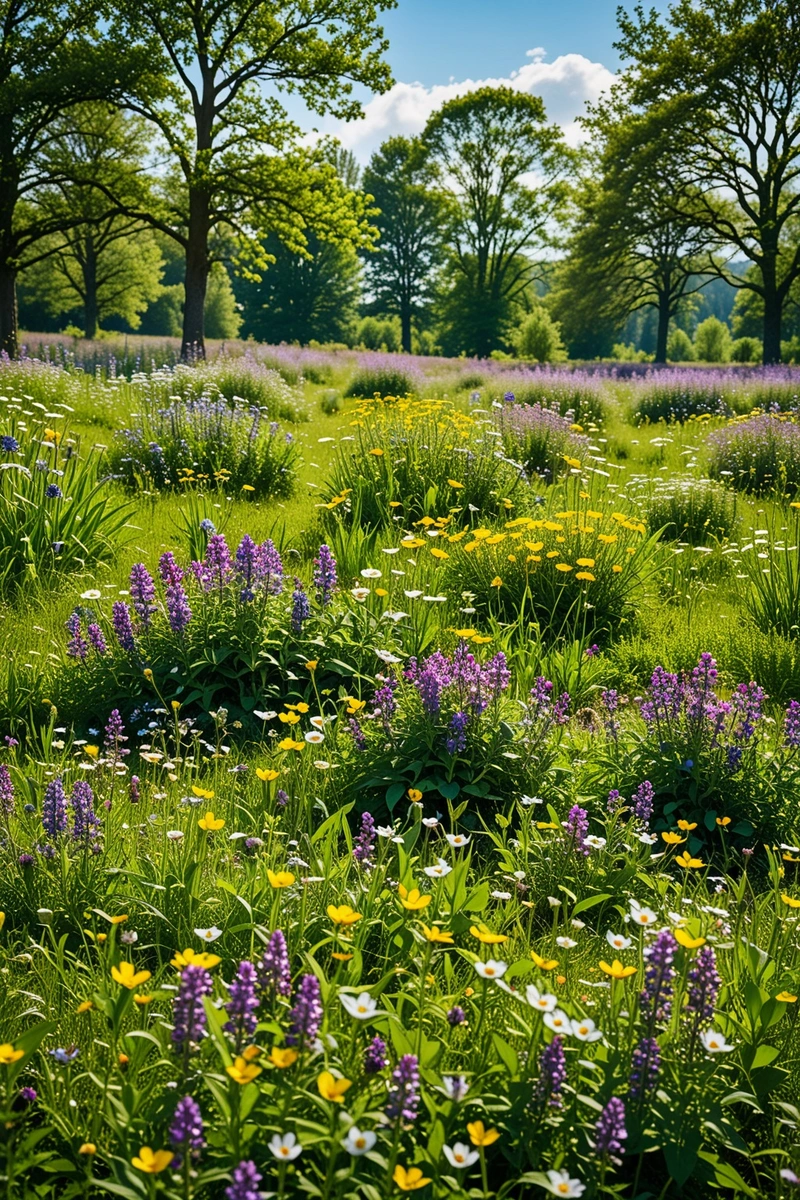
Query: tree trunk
(90, 307)
(405, 327)
(662, 330)
(8, 309)
(772, 315)
(196, 280)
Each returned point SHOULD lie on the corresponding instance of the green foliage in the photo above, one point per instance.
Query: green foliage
(772, 592)
(379, 333)
(680, 347)
(222, 318)
(539, 338)
(382, 380)
(759, 455)
(712, 341)
(745, 350)
(690, 510)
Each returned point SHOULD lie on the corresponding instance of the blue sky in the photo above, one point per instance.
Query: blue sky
(561, 50)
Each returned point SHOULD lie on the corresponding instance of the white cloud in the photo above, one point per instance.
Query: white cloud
(564, 85)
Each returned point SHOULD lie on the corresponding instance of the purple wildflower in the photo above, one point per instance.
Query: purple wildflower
(178, 611)
(143, 593)
(306, 1016)
(642, 802)
(241, 1007)
(123, 626)
(28, 1095)
(385, 703)
(791, 725)
(77, 647)
(614, 802)
(270, 568)
(246, 567)
(357, 734)
(218, 560)
(552, 1073)
(281, 798)
(655, 1000)
(375, 1056)
(456, 1015)
(53, 492)
(325, 575)
(364, 845)
(54, 809)
(577, 827)
(245, 1180)
(645, 1067)
(6, 790)
(610, 699)
(133, 790)
(274, 970)
(403, 1099)
(189, 1012)
(186, 1130)
(610, 1131)
(456, 743)
(26, 860)
(495, 675)
(301, 609)
(169, 570)
(114, 731)
(96, 637)
(703, 985)
(85, 820)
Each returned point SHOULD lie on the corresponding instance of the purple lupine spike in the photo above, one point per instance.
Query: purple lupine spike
(325, 575)
(96, 637)
(703, 985)
(306, 1016)
(577, 827)
(274, 970)
(218, 560)
(242, 1006)
(54, 809)
(77, 647)
(179, 613)
(614, 802)
(645, 1067)
(188, 1013)
(552, 1073)
(403, 1100)
(376, 1058)
(114, 731)
(357, 734)
(364, 845)
(655, 1000)
(642, 802)
(245, 1180)
(270, 568)
(610, 700)
(385, 702)
(143, 593)
(456, 741)
(133, 790)
(791, 725)
(85, 820)
(123, 626)
(6, 790)
(610, 1131)
(169, 570)
(186, 1131)
(246, 568)
(301, 609)
(456, 1015)
(495, 675)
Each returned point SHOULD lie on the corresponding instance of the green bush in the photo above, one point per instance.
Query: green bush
(712, 341)
(539, 338)
(379, 333)
(746, 350)
(690, 510)
(759, 455)
(679, 347)
(383, 378)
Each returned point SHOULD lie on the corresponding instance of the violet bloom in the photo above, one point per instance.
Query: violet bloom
(123, 626)
(610, 1131)
(114, 732)
(246, 567)
(77, 646)
(385, 703)
(610, 699)
(96, 637)
(655, 1000)
(133, 790)
(552, 1073)
(614, 802)
(357, 734)
(143, 593)
(375, 1057)
(645, 1067)
(169, 570)
(218, 560)
(577, 827)
(642, 802)
(85, 820)
(307, 1013)
(325, 575)
(456, 742)
(53, 492)
(301, 609)
(186, 1131)
(270, 568)
(179, 613)
(274, 970)
(791, 725)
(245, 1180)
(403, 1100)
(703, 985)
(6, 790)
(456, 1015)
(189, 1012)
(54, 809)
(242, 1006)
(28, 1095)
(364, 845)
(495, 675)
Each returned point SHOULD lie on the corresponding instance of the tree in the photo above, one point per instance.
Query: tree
(486, 147)
(108, 265)
(719, 84)
(712, 341)
(411, 223)
(539, 337)
(239, 171)
(52, 57)
(301, 297)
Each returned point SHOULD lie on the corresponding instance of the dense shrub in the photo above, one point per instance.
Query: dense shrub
(759, 455)
(539, 338)
(574, 394)
(540, 439)
(208, 442)
(383, 378)
(745, 350)
(712, 341)
(679, 347)
(689, 509)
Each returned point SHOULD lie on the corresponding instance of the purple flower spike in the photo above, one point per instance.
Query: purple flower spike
(403, 1101)
(610, 1131)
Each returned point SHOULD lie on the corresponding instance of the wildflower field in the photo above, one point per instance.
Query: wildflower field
(398, 793)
